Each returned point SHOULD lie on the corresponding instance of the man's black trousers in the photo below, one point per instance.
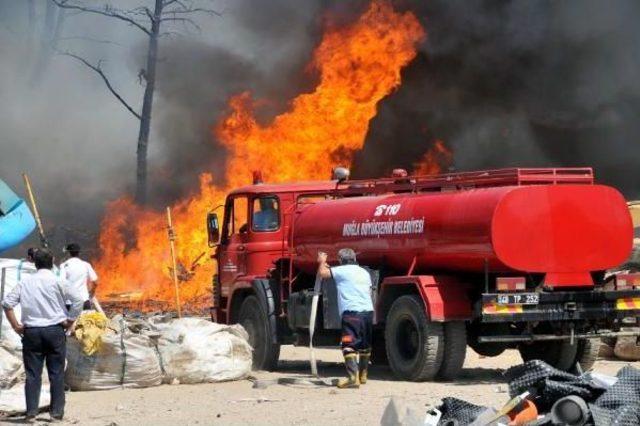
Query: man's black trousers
(356, 331)
(40, 345)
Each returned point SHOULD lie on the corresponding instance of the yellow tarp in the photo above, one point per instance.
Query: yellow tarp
(90, 327)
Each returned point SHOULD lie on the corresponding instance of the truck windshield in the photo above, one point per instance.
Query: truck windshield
(266, 214)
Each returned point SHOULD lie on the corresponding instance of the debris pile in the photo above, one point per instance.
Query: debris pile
(541, 395)
(564, 398)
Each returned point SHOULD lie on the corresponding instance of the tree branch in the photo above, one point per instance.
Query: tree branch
(169, 34)
(194, 10)
(175, 7)
(170, 2)
(91, 39)
(98, 70)
(108, 11)
(183, 20)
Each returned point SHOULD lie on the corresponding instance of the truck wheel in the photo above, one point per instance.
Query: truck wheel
(414, 344)
(587, 353)
(254, 320)
(559, 354)
(455, 350)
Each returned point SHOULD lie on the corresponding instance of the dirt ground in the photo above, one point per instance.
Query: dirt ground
(238, 403)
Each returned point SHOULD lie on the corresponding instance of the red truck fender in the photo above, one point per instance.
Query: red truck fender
(240, 290)
(443, 299)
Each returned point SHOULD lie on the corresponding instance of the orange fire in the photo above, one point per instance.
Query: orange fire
(358, 65)
(437, 158)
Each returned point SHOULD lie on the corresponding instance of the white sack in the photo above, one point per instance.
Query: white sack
(12, 400)
(136, 366)
(199, 351)
(14, 268)
(10, 368)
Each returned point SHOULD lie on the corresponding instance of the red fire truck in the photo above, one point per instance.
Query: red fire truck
(497, 259)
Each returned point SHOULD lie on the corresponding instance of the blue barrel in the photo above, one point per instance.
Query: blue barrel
(16, 220)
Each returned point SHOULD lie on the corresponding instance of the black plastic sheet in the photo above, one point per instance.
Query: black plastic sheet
(618, 404)
(456, 410)
(549, 384)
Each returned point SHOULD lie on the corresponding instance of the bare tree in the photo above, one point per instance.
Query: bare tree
(151, 23)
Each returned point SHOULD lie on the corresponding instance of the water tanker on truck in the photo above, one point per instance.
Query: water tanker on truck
(497, 259)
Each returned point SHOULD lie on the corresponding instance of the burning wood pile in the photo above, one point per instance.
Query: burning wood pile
(134, 303)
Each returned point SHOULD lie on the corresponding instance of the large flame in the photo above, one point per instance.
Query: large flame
(358, 65)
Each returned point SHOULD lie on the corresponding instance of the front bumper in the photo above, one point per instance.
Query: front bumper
(593, 306)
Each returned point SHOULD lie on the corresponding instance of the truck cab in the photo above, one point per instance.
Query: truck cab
(251, 246)
(254, 235)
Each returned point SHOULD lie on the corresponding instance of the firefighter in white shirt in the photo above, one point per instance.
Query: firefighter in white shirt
(82, 279)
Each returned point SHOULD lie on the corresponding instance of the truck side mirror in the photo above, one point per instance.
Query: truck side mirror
(213, 229)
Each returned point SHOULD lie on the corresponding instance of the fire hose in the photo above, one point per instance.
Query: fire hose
(312, 323)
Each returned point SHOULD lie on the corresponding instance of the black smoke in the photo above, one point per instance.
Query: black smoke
(505, 83)
(265, 53)
(502, 83)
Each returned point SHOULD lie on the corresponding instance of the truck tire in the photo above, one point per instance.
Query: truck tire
(560, 354)
(587, 353)
(455, 350)
(254, 320)
(414, 344)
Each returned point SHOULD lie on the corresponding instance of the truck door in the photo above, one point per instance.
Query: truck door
(232, 259)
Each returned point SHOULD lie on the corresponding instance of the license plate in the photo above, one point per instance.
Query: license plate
(519, 298)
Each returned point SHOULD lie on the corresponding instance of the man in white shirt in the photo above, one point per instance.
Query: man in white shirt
(82, 279)
(353, 284)
(44, 319)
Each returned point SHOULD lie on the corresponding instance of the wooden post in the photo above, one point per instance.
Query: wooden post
(172, 238)
(3, 277)
(34, 207)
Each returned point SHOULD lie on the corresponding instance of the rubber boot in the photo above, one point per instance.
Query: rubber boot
(351, 364)
(363, 364)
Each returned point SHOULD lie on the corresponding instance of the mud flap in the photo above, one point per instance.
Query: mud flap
(266, 296)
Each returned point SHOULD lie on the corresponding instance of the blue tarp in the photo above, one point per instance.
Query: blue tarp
(8, 199)
(16, 220)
